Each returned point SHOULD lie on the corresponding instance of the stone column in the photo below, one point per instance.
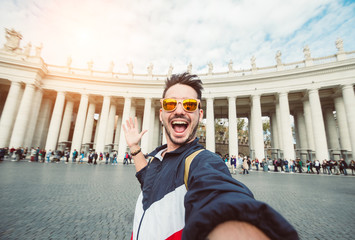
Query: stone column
(289, 151)
(96, 131)
(153, 141)
(56, 120)
(118, 132)
(331, 129)
(132, 111)
(66, 122)
(250, 131)
(100, 144)
(125, 116)
(157, 132)
(318, 126)
(22, 119)
(146, 124)
(33, 119)
(163, 135)
(302, 132)
(210, 132)
(8, 114)
(42, 123)
(279, 126)
(140, 122)
(89, 124)
(233, 131)
(79, 124)
(274, 131)
(296, 127)
(110, 125)
(309, 127)
(342, 124)
(349, 103)
(258, 137)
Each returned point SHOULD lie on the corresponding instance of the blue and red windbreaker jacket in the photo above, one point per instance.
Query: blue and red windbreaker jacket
(166, 210)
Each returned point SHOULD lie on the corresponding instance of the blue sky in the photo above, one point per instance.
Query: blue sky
(178, 32)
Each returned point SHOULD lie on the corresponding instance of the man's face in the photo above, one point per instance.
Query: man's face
(180, 125)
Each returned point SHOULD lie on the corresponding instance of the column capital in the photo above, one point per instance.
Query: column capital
(347, 86)
(15, 83)
(232, 98)
(312, 90)
(63, 93)
(84, 95)
(209, 97)
(256, 95)
(31, 85)
(283, 92)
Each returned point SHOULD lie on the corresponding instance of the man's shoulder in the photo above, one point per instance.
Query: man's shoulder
(206, 157)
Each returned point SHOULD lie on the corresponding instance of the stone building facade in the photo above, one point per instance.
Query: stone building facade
(58, 107)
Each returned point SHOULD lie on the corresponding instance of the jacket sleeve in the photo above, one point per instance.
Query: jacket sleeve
(214, 197)
(140, 176)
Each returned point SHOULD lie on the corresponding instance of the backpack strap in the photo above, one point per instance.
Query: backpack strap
(188, 161)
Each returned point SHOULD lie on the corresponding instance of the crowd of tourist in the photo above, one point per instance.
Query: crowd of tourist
(40, 155)
(243, 165)
(238, 164)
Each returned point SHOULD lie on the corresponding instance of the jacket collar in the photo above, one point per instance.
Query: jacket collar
(176, 151)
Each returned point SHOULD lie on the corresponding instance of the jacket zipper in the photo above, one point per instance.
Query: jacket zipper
(139, 227)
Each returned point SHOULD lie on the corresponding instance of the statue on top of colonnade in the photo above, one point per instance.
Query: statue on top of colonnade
(210, 68)
(150, 69)
(189, 68)
(307, 53)
(253, 63)
(170, 71)
(278, 58)
(230, 66)
(130, 68)
(13, 40)
(339, 45)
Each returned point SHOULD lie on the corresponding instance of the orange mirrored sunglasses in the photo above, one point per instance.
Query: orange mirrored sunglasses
(189, 105)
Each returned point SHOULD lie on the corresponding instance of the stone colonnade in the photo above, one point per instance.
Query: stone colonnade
(59, 120)
(36, 117)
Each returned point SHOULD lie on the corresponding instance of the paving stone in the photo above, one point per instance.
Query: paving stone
(70, 201)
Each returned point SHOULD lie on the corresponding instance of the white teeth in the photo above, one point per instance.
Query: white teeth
(179, 122)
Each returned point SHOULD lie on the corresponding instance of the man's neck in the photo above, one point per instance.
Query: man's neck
(172, 147)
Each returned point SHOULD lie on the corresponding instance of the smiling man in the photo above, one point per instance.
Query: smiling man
(187, 191)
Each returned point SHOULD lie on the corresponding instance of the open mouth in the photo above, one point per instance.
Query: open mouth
(179, 126)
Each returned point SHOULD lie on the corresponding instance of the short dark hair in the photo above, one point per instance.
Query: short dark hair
(185, 79)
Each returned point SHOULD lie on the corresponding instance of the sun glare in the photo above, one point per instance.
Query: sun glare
(84, 37)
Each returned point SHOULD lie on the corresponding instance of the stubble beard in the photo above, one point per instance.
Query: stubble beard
(191, 136)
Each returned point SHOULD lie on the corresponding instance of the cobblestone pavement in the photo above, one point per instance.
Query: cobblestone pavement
(70, 201)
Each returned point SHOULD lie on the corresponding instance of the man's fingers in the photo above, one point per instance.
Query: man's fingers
(132, 123)
(135, 121)
(142, 133)
(129, 123)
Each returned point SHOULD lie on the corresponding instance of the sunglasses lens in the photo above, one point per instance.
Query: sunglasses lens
(169, 104)
(190, 105)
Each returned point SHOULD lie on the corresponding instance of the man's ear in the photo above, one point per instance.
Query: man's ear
(160, 117)
(201, 115)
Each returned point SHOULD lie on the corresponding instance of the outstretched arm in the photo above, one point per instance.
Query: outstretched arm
(132, 138)
(236, 230)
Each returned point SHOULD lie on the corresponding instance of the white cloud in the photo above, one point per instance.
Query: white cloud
(180, 31)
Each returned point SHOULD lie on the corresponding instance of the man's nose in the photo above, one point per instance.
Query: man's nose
(179, 108)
